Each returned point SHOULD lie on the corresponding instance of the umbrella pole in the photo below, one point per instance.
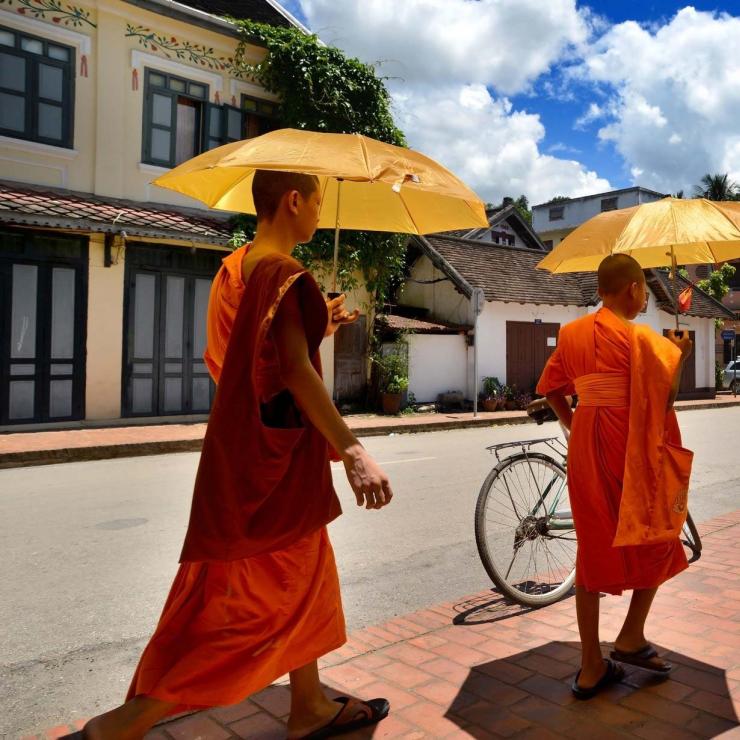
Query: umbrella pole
(674, 269)
(336, 239)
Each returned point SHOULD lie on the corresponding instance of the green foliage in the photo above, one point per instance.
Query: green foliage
(522, 206)
(492, 388)
(716, 187)
(719, 375)
(718, 282)
(321, 89)
(558, 199)
(393, 368)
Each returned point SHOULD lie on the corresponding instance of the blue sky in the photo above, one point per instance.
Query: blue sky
(656, 118)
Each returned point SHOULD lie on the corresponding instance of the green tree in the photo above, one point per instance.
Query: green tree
(716, 187)
(718, 282)
(321, 89)
(522, 206)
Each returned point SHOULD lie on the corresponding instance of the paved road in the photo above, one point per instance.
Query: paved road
(90, 550)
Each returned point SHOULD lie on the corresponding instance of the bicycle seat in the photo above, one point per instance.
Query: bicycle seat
(540, 411)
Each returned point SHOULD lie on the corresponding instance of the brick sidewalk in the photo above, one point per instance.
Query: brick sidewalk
(481, 668)
(74, 445)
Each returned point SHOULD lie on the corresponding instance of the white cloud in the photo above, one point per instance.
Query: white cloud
(675, 102)
(594, 112)
(443, 57)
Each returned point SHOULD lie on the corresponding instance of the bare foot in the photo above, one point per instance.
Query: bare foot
(309, 720)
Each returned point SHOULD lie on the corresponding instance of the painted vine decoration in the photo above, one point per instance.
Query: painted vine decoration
(172, 48)
(53, 10)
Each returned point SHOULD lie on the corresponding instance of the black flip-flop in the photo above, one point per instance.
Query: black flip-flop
(614, 674)
(641, 659)
(79, 735)
(372, 711)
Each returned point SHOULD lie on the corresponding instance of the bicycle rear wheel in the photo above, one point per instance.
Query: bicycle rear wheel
(524, 529)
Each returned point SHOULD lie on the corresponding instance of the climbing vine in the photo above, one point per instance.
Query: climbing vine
(323, 90)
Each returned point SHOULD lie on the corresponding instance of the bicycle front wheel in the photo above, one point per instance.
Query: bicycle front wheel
(524, 529)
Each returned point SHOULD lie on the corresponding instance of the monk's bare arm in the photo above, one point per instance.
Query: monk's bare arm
(560, 404)
(368, 481)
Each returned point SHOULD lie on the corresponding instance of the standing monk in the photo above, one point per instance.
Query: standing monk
(627, 474)
(257, 593)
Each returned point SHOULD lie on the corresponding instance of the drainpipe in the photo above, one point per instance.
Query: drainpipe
(477, 302)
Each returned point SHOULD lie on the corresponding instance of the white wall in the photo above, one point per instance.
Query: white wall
(437, 363)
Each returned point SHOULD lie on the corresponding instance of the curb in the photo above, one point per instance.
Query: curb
(132, 449)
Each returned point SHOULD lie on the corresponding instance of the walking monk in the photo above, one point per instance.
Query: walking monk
(257, 593)
(627, 474)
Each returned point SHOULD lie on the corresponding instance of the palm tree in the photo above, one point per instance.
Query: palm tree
(716, 187)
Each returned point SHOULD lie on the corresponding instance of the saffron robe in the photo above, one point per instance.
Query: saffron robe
(257, 592)
(624, 373)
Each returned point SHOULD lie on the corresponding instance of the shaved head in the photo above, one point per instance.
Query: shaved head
(617, 272)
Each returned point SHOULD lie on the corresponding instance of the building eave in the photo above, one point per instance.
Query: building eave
(444, 266)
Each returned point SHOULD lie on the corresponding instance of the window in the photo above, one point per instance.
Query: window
(179, 122)
(173, 116)
(548, 244)
(502, 237)
(36, 89)
(609, 204)
(227, 123)
(557, 213)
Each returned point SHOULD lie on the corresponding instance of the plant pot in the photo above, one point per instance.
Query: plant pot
(490, 404)
(510, 405)
(391, 403)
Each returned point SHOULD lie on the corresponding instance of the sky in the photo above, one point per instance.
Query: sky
(558, 97)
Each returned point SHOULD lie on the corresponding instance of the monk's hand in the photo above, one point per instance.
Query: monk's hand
(338, 314)
(683, 342)
(368, 481)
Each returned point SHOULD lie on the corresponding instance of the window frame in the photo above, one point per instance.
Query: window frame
(150, 89)
(610, 204)
(560, 210)
(31, 94)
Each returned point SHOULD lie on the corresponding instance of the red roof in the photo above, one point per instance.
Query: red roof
(417, 326)
(39, 206)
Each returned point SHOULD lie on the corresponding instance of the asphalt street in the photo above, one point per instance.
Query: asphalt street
(90, 550)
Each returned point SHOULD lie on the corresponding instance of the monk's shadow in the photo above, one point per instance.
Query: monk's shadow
(530, 690)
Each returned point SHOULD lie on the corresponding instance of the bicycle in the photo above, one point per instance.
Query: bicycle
(524, 527)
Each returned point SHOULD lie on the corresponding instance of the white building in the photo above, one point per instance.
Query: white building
(524, 310)
(554, 220)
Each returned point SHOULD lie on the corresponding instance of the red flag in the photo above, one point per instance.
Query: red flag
(684, 299)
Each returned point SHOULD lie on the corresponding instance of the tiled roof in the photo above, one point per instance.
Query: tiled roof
(417, 326)
(702, 305)
(510, 274)
(38, 206)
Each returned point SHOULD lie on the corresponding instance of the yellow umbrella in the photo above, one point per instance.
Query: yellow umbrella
(366, 184)
(665, 232)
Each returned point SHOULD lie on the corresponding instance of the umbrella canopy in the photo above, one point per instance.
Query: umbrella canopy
(383, 187)
(671, 230)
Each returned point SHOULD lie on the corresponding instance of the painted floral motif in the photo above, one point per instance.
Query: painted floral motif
(52, 10)
(172, 48)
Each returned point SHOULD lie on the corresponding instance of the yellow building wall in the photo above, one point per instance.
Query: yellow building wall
(118, 42)
(104, 333)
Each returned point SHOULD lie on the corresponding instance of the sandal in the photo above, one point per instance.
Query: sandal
(614, 673)
(366, 714)
(642, 658)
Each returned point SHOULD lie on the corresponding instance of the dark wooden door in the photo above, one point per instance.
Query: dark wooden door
(688, 374)
(528, 347)
(350, 362)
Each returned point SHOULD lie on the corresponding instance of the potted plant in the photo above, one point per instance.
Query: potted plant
(491, 393)
(523, 400)
(509, 394)
(393, 378)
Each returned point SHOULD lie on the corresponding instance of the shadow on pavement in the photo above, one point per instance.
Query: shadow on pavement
(530, 691)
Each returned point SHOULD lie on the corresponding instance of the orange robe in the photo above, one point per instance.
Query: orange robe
(618, 423)
(257, 592)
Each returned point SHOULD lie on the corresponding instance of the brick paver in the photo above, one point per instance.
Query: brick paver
(482, 668)
(72, 445)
